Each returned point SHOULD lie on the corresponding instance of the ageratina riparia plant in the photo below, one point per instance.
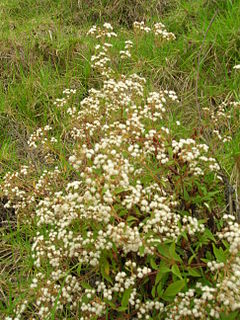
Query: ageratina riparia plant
(131, 223)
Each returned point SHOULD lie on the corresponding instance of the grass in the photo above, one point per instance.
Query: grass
(43, 49)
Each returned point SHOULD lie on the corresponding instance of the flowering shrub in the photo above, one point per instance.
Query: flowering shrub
(130, 224)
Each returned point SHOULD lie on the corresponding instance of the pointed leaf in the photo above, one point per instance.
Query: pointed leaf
(126, 297)
(174, 288)
(176, 271)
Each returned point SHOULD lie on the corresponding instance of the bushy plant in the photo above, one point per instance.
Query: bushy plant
(132, 222)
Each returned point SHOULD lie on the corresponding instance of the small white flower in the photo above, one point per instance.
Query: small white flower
(237, 66)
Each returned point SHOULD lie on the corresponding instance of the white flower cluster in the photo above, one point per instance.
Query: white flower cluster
(126, 53)
(41, 143)
(158, 30)
(125, 236)
(101, 59)
(22, 195)
(39, 136)
(187, 150)
(101, 32)
(213, 265)
(232, 233)
(60, 102)
(140, 26)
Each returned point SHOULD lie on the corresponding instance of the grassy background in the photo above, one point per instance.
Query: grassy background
(43, 50)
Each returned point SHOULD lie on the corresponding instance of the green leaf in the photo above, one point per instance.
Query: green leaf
(153, 292)
(131, 218)
(209, 234)
(193, 272)
(153, 264)
(184, 234)
(176, 271)
(126, 297)
(191, 258)
(164, 250)
(225, 243)
(85, 285)
(141, 250)
(174, 288)
(209, 256)
(162, 270)
(220, 255)
(173, 254)
(79, 268)
(137, 211)
(159, 289)
(170, 153)
(120, 190)
(122, 309)
(163, 267)
(105, 269)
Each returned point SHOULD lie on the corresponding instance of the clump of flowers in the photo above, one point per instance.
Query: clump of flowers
(158, 30)
(125, 232)
(60, 102)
